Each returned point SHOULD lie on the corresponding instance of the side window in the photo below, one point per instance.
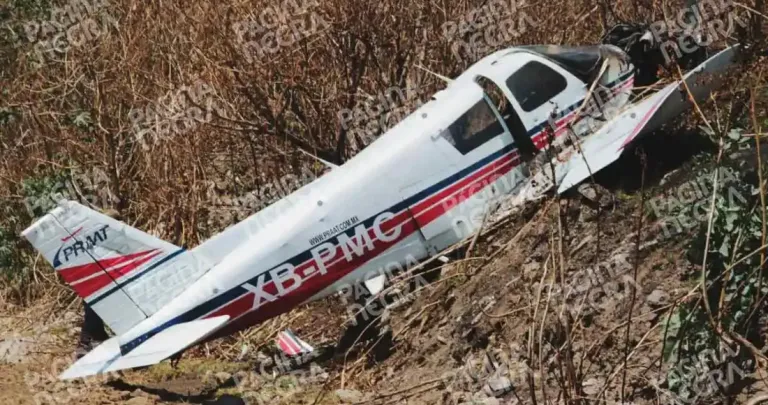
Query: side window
(475, 127)
(534, 84)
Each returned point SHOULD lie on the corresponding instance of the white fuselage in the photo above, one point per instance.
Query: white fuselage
(419, 188)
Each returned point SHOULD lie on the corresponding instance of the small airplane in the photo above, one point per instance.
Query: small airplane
(411, 193)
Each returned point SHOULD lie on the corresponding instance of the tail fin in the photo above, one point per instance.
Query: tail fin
(124, 274)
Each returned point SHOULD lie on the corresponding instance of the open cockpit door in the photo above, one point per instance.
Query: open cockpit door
(509, 117)
(484, 163)
(546, 86)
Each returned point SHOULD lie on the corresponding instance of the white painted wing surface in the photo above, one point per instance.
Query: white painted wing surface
(606, 145)
(106, 357)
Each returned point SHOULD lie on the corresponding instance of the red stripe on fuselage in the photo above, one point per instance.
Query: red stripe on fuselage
(425, 212)
(438, 204)
(234, 308)
(313, 282)
(541, 141)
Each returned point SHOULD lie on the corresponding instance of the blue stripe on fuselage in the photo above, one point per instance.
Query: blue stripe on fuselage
(302, 257)
(237, 292)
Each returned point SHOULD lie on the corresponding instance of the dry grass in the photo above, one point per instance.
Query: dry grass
(269, 111)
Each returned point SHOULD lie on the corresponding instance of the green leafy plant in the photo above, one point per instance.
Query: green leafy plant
(734, 284)
(8, 116)
(39, 195)
(30, 8)
(81, 120)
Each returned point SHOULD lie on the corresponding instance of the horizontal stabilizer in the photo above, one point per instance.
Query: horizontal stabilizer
(94, 362)
(159, 347)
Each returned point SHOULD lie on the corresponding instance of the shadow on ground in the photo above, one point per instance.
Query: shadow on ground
(664, 150)
(206, 398)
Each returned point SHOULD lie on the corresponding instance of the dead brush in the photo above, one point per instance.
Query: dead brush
(267, 110)
(270, 110)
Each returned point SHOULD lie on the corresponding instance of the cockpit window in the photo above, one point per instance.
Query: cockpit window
(534, 84)
(475, 127)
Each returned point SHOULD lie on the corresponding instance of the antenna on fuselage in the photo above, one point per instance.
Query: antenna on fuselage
(448, 80)
(325, 162)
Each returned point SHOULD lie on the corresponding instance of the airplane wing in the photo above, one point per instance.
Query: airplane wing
(106, 357)
(606, 145)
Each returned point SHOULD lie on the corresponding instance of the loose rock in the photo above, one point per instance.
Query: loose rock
(349, 396)
(138, 401)
(657, 298)
(498, 386)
